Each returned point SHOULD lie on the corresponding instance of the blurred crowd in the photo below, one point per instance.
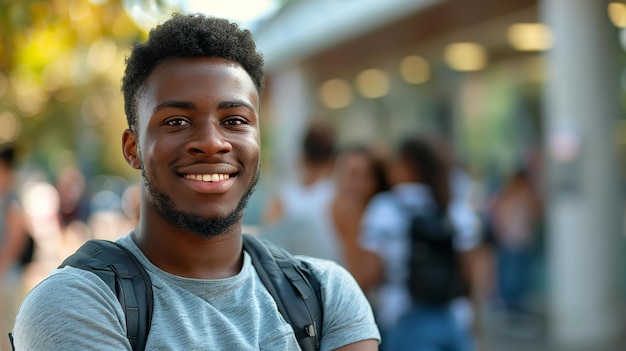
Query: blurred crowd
(338, 208)
(46, 218)
(348, 205)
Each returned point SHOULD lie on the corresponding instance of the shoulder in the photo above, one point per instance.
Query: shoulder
(348, 316)
(335, 280)
(68, 280)
(467, 225)
(68, 299)
(323, 269)
(66, 289)
(382, 202)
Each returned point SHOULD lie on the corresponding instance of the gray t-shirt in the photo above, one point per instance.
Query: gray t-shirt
(73, 309)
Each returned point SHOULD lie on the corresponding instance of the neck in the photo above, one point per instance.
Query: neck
(187, 254)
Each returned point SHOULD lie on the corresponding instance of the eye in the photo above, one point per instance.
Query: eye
(176, 121)
(235, 121)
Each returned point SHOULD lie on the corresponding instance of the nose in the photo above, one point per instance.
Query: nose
(208, 139)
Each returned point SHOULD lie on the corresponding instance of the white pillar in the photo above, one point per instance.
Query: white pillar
(585, 206)
(289, 112)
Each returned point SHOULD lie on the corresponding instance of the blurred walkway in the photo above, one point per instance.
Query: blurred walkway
(507, 332)
(524, 333)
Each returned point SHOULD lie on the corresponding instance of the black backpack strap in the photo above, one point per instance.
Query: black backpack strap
(298, 297)
(126, 277)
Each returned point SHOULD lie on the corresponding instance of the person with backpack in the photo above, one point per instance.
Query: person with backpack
(186, 278)
(421, 238)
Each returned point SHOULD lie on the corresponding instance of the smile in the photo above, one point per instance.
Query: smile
(216, 177)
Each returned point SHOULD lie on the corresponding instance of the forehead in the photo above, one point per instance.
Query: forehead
(200, 77)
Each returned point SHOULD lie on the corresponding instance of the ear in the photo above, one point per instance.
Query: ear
(130, 148)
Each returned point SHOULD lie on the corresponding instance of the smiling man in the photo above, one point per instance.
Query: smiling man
(192, 94)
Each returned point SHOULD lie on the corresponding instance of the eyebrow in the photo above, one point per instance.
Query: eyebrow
(235, 103)
(191, 106)
(176, 104)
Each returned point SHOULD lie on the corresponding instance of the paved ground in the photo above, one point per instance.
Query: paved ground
(507, 332)
(504, 332)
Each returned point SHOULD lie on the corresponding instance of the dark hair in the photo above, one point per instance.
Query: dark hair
(377, 166)
(184, 36)
(428, 168)
(319, 144)
(7, 155)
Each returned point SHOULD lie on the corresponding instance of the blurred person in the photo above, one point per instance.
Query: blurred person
(469, 204)
(359, 174)
(15, 242)
(421, 185)
(296, 218)
(71, 186)
(131, 200)
(515, 214)
(192, 95)
(41, 205)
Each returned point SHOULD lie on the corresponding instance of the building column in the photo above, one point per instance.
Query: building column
(585, 204)
(289, 114)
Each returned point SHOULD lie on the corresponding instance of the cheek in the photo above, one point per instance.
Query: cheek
(251, 147)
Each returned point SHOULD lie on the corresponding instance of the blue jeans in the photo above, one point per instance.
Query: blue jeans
(426, 328)
(514, 275)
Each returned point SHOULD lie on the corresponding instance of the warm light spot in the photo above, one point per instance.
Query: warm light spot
(465, 57)
(79, 10)
(372, 83)
(10, 127)
(101, 55)
(415, 69)
(530, 36)
(617, 14)
(335, 93)
(30, 97)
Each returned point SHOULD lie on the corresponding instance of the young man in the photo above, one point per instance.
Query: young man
(192, 102)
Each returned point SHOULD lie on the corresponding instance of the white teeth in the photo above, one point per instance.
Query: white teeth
(208, 177)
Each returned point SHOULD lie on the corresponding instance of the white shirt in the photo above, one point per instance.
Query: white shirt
(385, 225)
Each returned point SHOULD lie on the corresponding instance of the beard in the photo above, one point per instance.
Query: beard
(202, 226)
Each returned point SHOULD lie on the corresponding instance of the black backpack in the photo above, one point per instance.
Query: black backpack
(435, 276)
(290, 281)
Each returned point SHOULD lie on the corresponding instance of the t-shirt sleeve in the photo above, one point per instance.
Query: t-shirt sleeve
(381, 221)
(467, 225)
(348, 316)
(71, 309)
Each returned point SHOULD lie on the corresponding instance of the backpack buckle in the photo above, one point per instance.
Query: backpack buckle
(310, 330)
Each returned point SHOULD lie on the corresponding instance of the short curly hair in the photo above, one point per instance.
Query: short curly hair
(183, 36)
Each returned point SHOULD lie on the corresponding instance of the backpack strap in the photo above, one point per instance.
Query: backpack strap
(298, 297)
(126, 277)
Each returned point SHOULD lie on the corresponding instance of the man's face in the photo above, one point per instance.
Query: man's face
(197, 143)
